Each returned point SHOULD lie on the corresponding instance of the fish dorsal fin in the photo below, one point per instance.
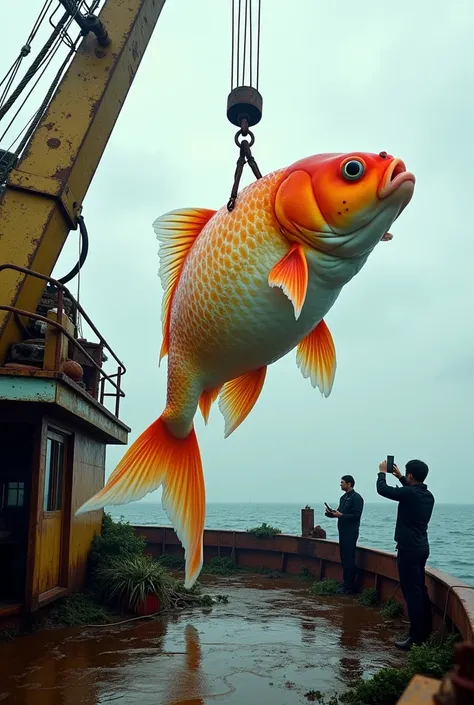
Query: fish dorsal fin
(176, 232)
(316, 358)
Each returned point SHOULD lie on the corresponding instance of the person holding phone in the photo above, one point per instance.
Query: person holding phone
(415, 506)
(348, 516)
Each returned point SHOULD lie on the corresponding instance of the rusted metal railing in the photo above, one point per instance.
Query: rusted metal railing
(62, 291)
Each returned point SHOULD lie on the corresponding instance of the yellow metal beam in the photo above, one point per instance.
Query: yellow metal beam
(45, 191)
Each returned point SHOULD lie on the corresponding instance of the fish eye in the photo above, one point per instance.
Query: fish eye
(352, 170)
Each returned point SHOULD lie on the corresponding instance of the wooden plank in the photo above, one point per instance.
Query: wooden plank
(420, 691)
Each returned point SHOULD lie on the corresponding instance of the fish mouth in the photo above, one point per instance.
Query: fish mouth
(396, 175)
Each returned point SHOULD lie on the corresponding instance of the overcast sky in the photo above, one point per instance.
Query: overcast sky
(335, 76)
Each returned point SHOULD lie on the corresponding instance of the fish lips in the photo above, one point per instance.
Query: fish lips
(397, 180)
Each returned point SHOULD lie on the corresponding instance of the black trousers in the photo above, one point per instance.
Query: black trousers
(347, 551)
(411, 570)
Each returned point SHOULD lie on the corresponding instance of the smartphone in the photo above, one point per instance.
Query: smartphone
(328, 507)
(390, 463)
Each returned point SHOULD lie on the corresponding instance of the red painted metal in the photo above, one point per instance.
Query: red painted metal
(453, 601)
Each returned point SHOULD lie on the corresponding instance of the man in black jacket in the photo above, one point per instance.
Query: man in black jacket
(415, 506)
(348, 516)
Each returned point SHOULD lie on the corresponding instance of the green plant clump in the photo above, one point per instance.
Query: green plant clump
(369, 597)
(324, 587)
(118, 540)
(127, 582)
(264, 531)
(132, 579)
(220, 565)
(388, 685)
(170, 561)
(392, 609)
(305, 574)
(78, 610)
(317, 696)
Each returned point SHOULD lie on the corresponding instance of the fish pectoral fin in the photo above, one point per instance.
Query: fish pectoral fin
(159, 458)
(206, 400)
(239, 397)
(316, 358)
(176, 232)
(291, 274)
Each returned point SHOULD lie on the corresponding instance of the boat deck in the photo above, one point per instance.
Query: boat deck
(272, 642)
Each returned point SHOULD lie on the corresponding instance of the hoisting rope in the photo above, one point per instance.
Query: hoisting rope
(40, 64)
(59, 36)
(244, 104)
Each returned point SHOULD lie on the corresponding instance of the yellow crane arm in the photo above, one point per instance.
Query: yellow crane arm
(46, 189)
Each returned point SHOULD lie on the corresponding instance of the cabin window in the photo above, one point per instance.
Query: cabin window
(54, 473)
(15, 494)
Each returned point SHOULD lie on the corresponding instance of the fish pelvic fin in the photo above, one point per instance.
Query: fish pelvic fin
(291, 274)
(158, 458)
(316, 358)
(176, 232)
(206, 400)
(239, 397)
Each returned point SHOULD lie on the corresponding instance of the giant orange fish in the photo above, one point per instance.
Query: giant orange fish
(242, 289)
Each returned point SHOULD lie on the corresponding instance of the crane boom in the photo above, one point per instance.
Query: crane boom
(45, 191)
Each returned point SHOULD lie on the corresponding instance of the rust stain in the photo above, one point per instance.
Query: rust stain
(49, 126)
(61, 174)
(53, 143)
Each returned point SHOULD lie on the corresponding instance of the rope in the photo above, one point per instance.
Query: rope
(42, 61)
(34, 66)
(258, 40)
(243, 37)
(232, 51)
(443, 623)
(245, 41)
(8, 161)
(24, 51)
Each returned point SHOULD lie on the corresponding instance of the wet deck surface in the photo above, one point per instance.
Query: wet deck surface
(270, 643)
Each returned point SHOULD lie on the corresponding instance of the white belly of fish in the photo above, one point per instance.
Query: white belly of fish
(263, 328)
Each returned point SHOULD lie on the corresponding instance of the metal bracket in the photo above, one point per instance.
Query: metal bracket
(47, 186)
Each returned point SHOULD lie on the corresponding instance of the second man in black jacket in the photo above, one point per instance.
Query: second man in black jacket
(348, 515)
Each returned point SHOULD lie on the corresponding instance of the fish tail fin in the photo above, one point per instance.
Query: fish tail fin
(158, 458)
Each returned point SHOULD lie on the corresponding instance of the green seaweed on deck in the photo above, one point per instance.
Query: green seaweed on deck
(220, 565)
(264, 531)
(369, 597)
(392, 609)
(324, 587)
(78, 610)
(388, 685)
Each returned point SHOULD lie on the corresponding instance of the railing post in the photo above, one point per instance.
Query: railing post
(307, 521)
(118, 392)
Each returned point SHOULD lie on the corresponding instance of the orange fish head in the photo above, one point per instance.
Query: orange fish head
(342, 203)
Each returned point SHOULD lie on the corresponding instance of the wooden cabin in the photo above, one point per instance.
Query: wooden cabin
(54, 428)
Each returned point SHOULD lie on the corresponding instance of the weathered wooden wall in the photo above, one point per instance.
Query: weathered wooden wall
(87, 478)
(61, 534)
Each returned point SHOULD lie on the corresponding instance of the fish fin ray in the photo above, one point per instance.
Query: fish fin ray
(291, 274)
(316, 358)
(239, 397)
(158, 458)
(176, 231)
(206, 400)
